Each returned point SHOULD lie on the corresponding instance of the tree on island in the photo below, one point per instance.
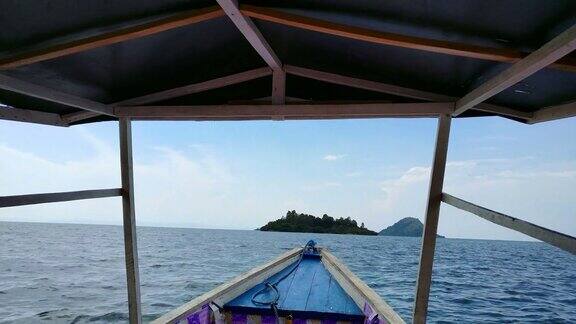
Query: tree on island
(294, 222)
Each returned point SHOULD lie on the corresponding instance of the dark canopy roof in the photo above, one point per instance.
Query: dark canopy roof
(215, 48)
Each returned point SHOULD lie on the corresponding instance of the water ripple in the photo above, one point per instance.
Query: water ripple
(75, 273)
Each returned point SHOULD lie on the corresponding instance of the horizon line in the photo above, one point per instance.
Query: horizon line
(242, 229)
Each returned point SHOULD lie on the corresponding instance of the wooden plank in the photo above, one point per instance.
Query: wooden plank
(36, 91)
(357, 289)
(557, 239)
(297, 294)
(31, 116)
(178, 92)
(396, 90)
(251, 33)
(113, 37)
(78, 116)
(383, 38)
(431, 221)
(365, 84)
(555, 49)
(554, 112)
(33, 199)
(296, 111)
(232, 288)
(335, 292)
(197, 87)
(318, 297)
(129, 222)
(278, 87)
(504, 111)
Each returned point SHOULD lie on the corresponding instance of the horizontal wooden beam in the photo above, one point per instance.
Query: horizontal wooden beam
(36, 91)
(246, 26)
(555, 49)
(373, 36)
(560, 240)
(109, 38)
(396, 90)
(197, 87)
(31, 116)
(33, 199)
(279, 112)
(554, 112)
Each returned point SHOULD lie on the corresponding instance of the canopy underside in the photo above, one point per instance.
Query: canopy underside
(206, 45)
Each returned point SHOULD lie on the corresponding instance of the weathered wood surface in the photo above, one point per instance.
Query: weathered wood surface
(431, 221)
(397, 90)
(31, 116)
(36, 91)
(383, 38)
(178, 92)
(33, 199)
(246, 26)
(109, 38)
(295, 111)
(232, 288)
(552, 51)
(357, 289)
(557, 239)
(197, 87)
(554, 112)
(279, 87)
(129, 222)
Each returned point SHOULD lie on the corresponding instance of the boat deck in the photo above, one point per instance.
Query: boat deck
(308, 292)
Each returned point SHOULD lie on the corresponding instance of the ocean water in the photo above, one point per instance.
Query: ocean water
(75, 273)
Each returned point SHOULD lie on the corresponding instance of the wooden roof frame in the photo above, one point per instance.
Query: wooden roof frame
(549, 55)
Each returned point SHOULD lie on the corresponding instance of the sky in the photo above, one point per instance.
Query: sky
(240, 175)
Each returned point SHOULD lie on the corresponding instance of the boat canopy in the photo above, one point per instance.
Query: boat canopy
(203, 60)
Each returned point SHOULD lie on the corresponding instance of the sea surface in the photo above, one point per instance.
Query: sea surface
(65, 273)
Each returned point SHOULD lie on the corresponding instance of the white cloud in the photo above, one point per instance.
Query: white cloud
(333, 157)
(536, 192)
(175, 188)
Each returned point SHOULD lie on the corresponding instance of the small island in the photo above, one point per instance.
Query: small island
(408, 226)
(294, 222)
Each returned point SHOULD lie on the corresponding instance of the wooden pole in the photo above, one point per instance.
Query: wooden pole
(431, 222)
(557, 239)
(130, 246)
(43, 198)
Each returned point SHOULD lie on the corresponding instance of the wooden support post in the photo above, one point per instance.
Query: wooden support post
(431, 222)
(130, 246)
(278, 87)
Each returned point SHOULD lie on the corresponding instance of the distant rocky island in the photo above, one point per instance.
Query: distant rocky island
(294, 222)
(408, 226)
